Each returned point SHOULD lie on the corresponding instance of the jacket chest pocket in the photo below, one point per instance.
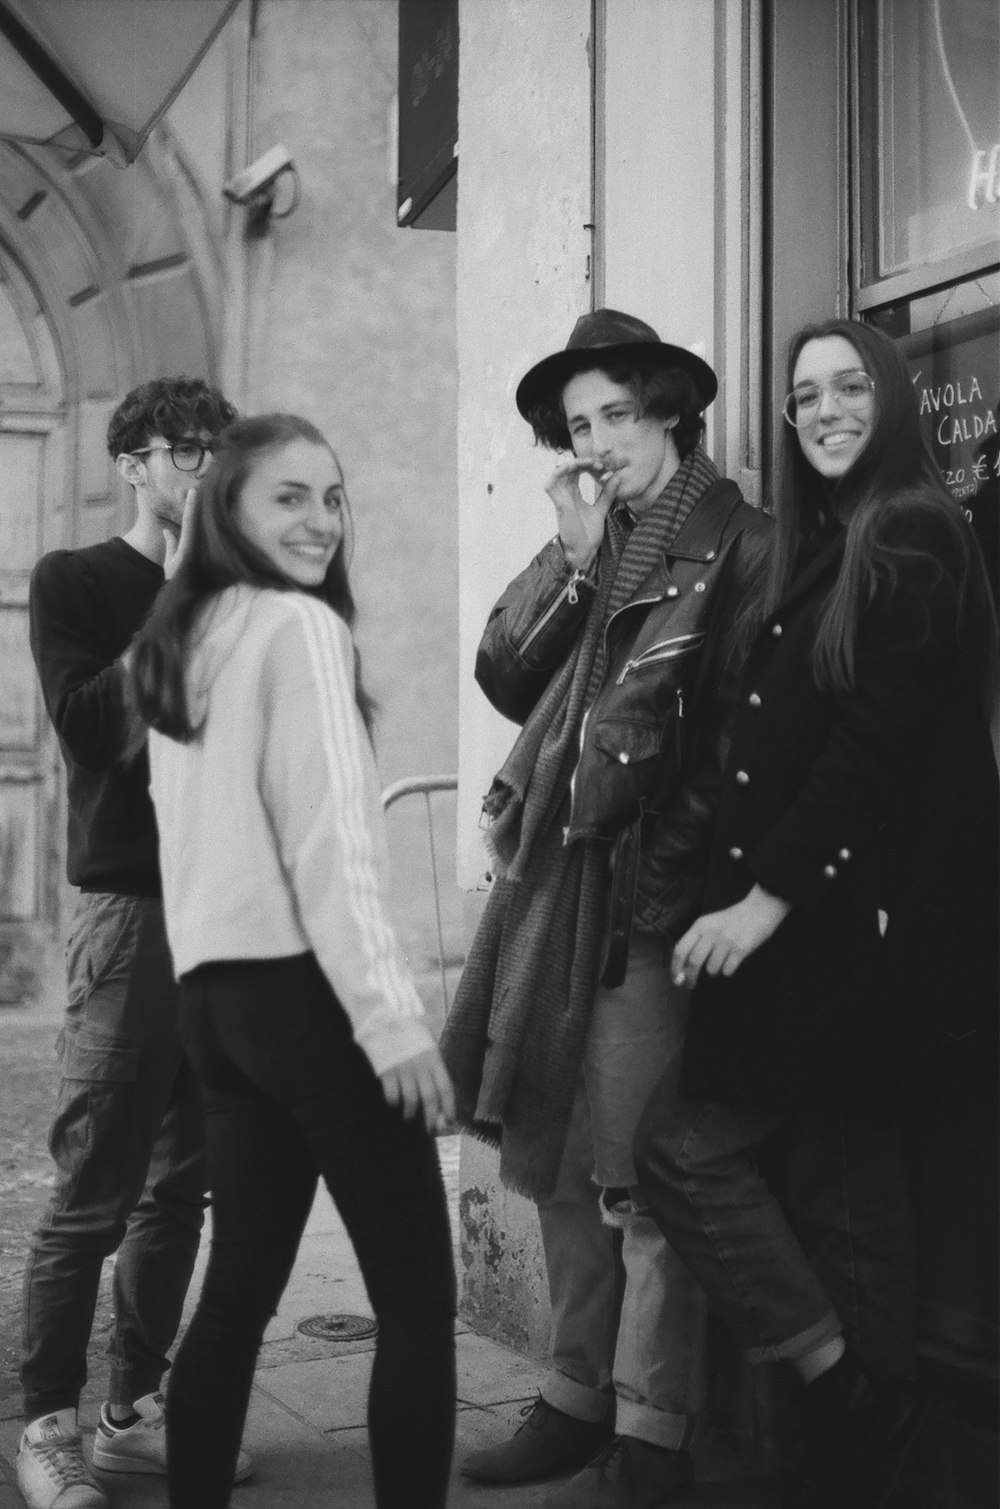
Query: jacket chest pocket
(629, 741)
(635, 761)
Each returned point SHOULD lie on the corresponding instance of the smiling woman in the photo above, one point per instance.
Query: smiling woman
(832, 404)
(845, 960)
(298, 1010)
(291, 510)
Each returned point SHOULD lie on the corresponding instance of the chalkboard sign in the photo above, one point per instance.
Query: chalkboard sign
(955, 367)
(428, 113)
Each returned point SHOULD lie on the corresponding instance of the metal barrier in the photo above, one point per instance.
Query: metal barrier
(425, 785)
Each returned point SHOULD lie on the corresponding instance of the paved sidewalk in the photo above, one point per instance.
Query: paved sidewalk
(306, 1427)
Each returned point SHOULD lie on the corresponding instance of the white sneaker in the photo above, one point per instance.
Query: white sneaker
(51, 1470)
(142, 1446)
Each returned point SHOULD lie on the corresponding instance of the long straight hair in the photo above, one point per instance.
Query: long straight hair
(896, 471)
(220, 556)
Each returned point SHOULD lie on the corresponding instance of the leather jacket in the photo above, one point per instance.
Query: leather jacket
(631, 743)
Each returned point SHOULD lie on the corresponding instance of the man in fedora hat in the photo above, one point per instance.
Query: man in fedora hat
(567, 1016)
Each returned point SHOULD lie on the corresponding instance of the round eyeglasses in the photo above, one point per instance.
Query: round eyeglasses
(852, 390)
(187, 455)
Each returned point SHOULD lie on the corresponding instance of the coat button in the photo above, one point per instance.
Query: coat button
(711, 555)
(736, 853)
(673, 591)
(830, 871)
(776, 631)
(742, 779)
(754, 699)
(844, 855)
(623, 757)
(699, 586)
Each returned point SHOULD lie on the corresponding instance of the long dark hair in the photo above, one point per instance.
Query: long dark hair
(220, 556)
(894, 474)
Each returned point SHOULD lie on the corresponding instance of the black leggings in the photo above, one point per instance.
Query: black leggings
(289, 1096)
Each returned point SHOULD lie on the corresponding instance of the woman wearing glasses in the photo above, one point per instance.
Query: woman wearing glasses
(847, 949)
(297, 1008)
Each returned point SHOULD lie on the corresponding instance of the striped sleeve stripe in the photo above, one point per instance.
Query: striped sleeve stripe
(345, 758)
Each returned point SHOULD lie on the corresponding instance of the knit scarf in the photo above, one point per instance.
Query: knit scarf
(515, 1036)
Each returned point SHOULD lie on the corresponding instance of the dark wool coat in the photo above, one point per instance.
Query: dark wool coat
(875, 813)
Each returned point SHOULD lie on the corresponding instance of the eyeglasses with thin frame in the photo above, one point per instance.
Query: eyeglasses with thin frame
(187, 455)
(852, 390)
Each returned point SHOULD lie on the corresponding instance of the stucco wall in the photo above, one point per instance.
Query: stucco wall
(352, 323)
(658, 209)
(523, 277)
(523, 265)
(675, 211)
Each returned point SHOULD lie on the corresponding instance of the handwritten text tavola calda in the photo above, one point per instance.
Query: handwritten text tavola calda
(952, 428)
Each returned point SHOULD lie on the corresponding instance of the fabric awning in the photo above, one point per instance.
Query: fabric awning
(96, 75)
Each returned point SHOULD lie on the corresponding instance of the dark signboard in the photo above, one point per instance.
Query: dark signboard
(428, 112)
(956, 374)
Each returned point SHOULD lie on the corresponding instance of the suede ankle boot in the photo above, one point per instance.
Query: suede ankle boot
(547, 1443)
(628, 1474)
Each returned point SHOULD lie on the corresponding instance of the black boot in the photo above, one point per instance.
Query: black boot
(857, 1433)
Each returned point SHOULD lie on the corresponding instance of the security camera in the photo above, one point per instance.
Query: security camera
(259, 178)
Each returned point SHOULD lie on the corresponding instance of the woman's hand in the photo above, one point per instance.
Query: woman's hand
(177, 545)
(581, 524)
(421, 1084)
(720, 941)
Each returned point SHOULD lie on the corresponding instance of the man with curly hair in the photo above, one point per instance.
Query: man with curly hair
(127, 1134)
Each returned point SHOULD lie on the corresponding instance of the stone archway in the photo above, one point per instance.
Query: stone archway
(107, 278)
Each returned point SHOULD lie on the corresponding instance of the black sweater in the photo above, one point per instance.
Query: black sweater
(85, 606)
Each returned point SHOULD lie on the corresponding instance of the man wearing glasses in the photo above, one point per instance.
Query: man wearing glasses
(126, 1138)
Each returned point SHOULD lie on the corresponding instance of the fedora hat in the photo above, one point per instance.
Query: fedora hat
(613, 337)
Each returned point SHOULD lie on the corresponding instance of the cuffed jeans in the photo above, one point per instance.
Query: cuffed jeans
(289, 1097)
(127, 1143)
(835, 1254)
(628, 1320)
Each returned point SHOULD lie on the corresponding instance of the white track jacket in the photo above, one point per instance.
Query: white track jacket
(271, 834)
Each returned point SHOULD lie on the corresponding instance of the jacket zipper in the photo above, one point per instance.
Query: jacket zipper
(567, 593)
(639, 602)
(668, 649)
(572, 779)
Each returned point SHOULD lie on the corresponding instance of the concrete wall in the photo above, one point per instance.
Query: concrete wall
(353, 324)
(678, 210)
(659, 198)
(345, 318)
(524, 254)
(524, 260)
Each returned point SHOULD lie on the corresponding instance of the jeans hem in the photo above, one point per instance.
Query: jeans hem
(579, 1400)
(801, 1344)
(124, 1388)
(654, 1426)
(33, 1410)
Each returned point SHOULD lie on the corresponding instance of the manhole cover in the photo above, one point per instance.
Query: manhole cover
(338, 1327)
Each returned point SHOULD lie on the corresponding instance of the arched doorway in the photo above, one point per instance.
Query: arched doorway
(32, 485)
(107, 278)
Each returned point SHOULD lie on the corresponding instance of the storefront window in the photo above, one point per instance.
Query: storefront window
(951, 340)
(931, 111)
